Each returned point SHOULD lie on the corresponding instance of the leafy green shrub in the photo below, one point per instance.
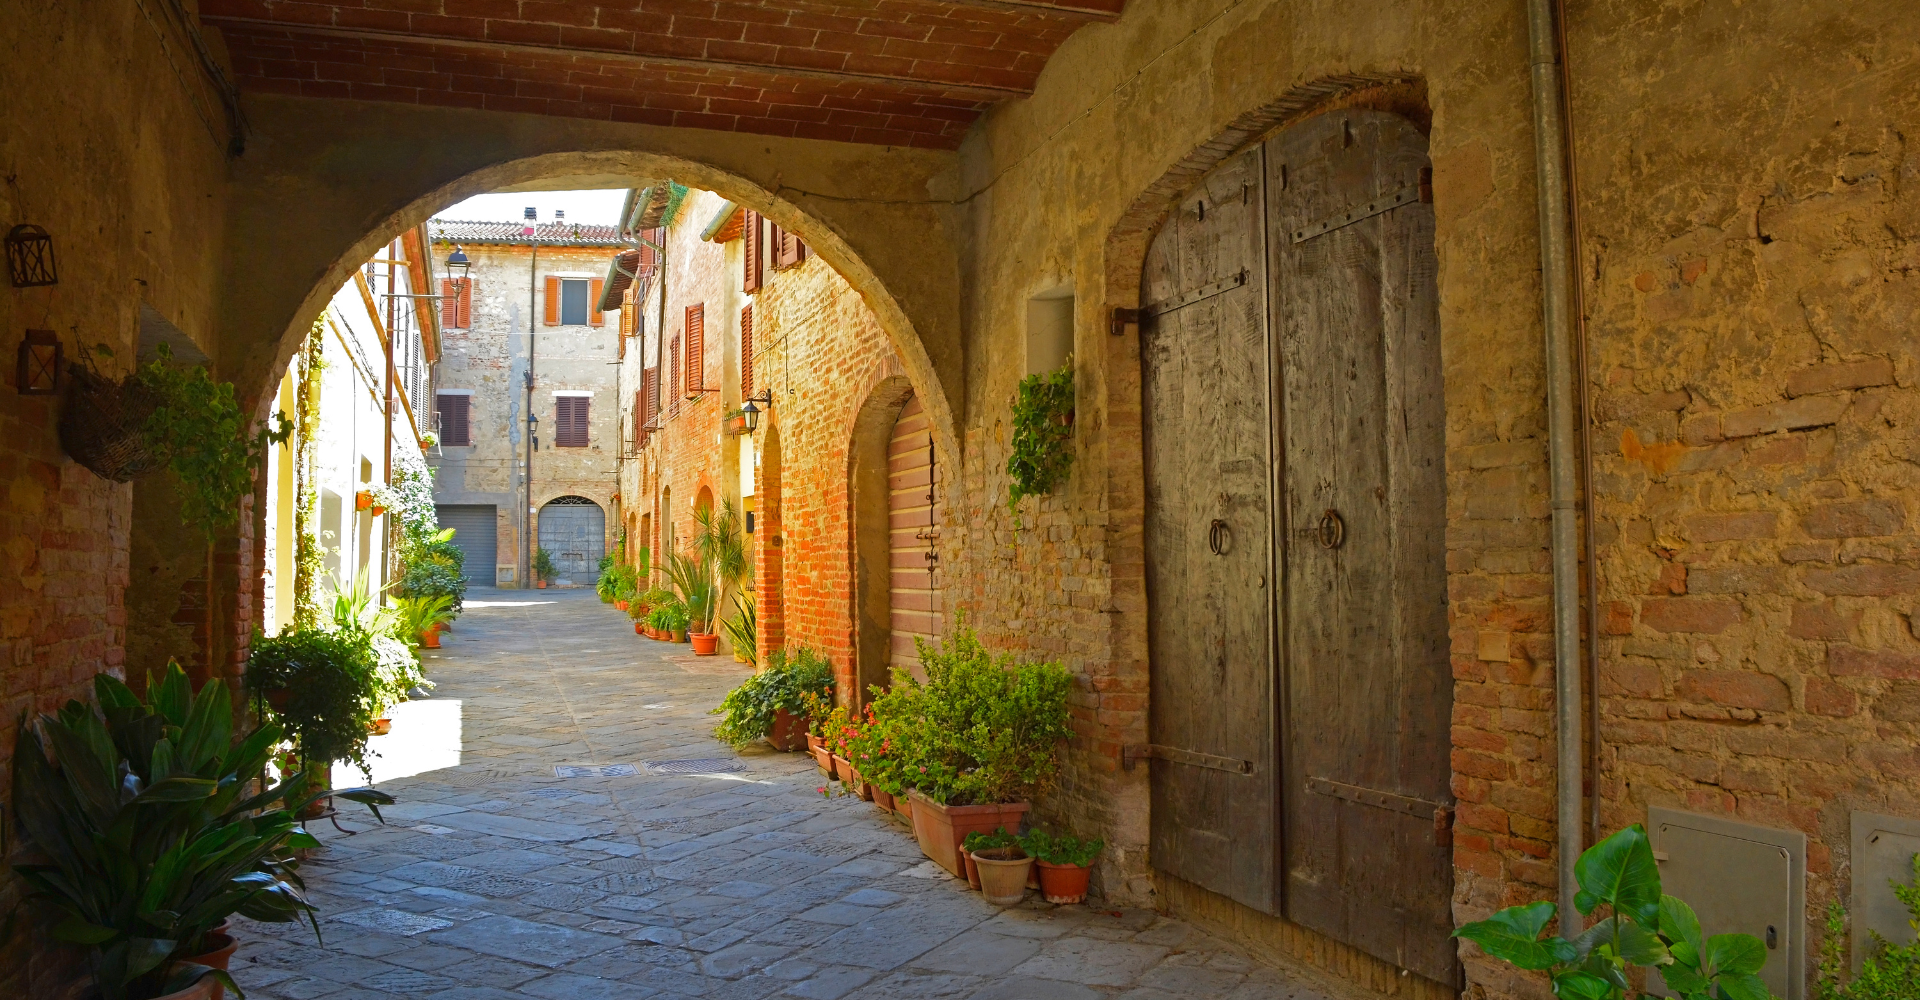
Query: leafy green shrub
(670, 616)
(1643, 927)
(329, 680)
(431, 576)
(1891, 972)
(617, 580)
(209, 443)
(543, 564)
(977, 841)
(749, 709)
(1063, 850)
(1042, 454)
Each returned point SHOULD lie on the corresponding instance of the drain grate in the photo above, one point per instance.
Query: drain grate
(698, 765)
(594, 770)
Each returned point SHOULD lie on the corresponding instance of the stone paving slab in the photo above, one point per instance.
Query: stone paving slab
(496, 879)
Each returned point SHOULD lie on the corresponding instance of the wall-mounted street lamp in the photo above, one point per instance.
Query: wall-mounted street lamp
(458, 265)
(750, 409)
(38, 366)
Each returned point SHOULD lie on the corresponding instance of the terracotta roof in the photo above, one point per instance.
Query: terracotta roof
(546, 233)
(620, 274)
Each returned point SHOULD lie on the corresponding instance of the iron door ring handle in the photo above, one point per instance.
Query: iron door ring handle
(1218, 537)
(1333, 530)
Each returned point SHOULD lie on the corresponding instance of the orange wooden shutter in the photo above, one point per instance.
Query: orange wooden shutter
(696, 348)
(754, 275)
(449, 305)
(466, 304)
(673, 376)
(596, 317)
(553, 301)
(788, 252)
(650, 388)
(746, 352)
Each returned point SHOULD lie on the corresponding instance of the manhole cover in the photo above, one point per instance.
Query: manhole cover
(699, 765)
(594, 770)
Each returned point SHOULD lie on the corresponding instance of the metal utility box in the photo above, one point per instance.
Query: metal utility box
(1883, 850)
(1739, 878)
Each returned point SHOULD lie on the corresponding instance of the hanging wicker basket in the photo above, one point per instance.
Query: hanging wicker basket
(100, 426)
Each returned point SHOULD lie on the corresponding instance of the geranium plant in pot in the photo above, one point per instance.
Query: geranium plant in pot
(1065, 864)
(146, 829)
(775, 697)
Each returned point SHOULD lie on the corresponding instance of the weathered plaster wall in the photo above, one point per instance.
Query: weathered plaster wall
(112, 141)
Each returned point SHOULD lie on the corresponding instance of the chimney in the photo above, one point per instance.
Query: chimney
(533, 217)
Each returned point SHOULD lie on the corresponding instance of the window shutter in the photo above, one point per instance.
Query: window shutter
(754, 276)
(570, 421)
(746, 352)
(640, 415)
(650, 388)
(455, 427)
(673, 376)
(594, 288)
(553, 301)
(790, 251)
(696, 348)
(449, 305)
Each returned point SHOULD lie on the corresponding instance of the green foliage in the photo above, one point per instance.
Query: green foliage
(668, 616)
(309, 557)
(699, 593)
(721, 544)
(409, 503)
(1891, 972)
(1643, 927)
(209, 444)
(982, 729)
(147, 830)
(382, 633)
(743, 629)
(543, 564)
(418, 614)
(977, 841)
(749, 709)
(617, 580)
(330, 680)
(1042, 453)
(433, 574)
(1063, 850)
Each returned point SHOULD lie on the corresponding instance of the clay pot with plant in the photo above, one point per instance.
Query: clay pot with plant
(543, 568)
(1003, 874)
(978, 841)
(1065, 864)
(750, 711)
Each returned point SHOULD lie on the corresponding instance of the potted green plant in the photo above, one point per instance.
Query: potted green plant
(977, 841)
(977, 742)
(1003, 873)
(321, 686)
(146, 830)
(743, 630)
(1888, 971)
(1065, 864)
(1642, 928)
(542, 568)
(423, 616)
(770, 703)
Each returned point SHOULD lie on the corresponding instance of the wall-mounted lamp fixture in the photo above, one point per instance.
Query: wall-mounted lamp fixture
(751, 407)
(458, 265)
(30, 257)
(38, 373)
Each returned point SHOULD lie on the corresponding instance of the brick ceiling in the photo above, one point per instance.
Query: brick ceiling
(896, 72)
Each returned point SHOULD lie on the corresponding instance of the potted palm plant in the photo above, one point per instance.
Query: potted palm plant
(542, 568)
(146, 830)
(423, 617)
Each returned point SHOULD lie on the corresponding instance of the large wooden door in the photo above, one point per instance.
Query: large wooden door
(1368, 850)
(914, 606)
(1208, 555)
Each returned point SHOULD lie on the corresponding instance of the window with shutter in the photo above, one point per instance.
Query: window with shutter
(673, 376)
(754, 275)
(746, 352)
(594, 288)
(552, 303)
(789, 252)
(570, 421)
(456, 427)
(650, 390)
(456, 308)
(696, 349)
(640, 416)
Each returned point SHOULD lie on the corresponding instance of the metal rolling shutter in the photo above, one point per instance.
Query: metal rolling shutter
(475, 530)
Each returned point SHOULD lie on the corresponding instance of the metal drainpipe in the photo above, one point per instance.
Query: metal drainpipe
(1556, 259)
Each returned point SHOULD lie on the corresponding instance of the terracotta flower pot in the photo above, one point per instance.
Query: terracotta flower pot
(279, 698)
(860, 786)
(540, 584)
(941, 829)
(1003, 874)
(822, 758)
(620, 605)
(973, 868)
(787, 731)
(1063, 883)
(842, 771)
(376, 510)
(219, 955)
(679, 635)
(882, 798)
(380, 727)
(639, 629)
(362, 500)
(705, 643)
(430, 639)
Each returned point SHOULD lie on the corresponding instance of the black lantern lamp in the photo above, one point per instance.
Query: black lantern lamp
(458, 265)
(30, 257)
(750, 409)
(38, 373)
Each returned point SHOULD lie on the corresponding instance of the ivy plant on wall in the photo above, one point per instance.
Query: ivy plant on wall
(1042, 434)
(309, 557)
(210, 445)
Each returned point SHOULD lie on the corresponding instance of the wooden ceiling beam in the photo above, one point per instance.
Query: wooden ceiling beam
(1087, 12)
(970, 90)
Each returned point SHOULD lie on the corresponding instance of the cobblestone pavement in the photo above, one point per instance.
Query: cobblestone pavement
(498, 879)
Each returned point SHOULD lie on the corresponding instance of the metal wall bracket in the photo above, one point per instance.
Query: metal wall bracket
(1408, 195)
(1142, 751)
(1391, 801)
(1203, 292)
(1123, 318)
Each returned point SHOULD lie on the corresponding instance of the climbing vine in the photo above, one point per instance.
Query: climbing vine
(308, 558)
(1042, 434)
(210, 446)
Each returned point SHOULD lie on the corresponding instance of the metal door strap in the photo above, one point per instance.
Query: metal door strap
(1203, 292)
(1358, 212)
(1374, 797)
(1141, 751)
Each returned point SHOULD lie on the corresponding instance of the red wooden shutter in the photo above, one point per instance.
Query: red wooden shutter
(456, 304)
(746, 352)
(789, 251)
(570, 421)
(650, 388)
(594, 288)
(673, 376)
(456, 428)
(640, 415)
(553, 301)
(696, 348)
(754, 275)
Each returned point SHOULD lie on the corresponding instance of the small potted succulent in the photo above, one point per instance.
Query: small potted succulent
(1065, 863)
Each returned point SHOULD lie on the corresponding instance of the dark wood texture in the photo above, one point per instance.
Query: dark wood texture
(1205, 389)
(1368, 686)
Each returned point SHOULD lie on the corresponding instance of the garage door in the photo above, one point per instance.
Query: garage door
(574, 531)
(475, 527)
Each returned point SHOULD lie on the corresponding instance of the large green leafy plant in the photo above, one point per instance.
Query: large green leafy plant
(146, 829)
(322, 686)
(1042, 434)
(1641, 927)
(787, 683)
(211, 446)
(1890, 972)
